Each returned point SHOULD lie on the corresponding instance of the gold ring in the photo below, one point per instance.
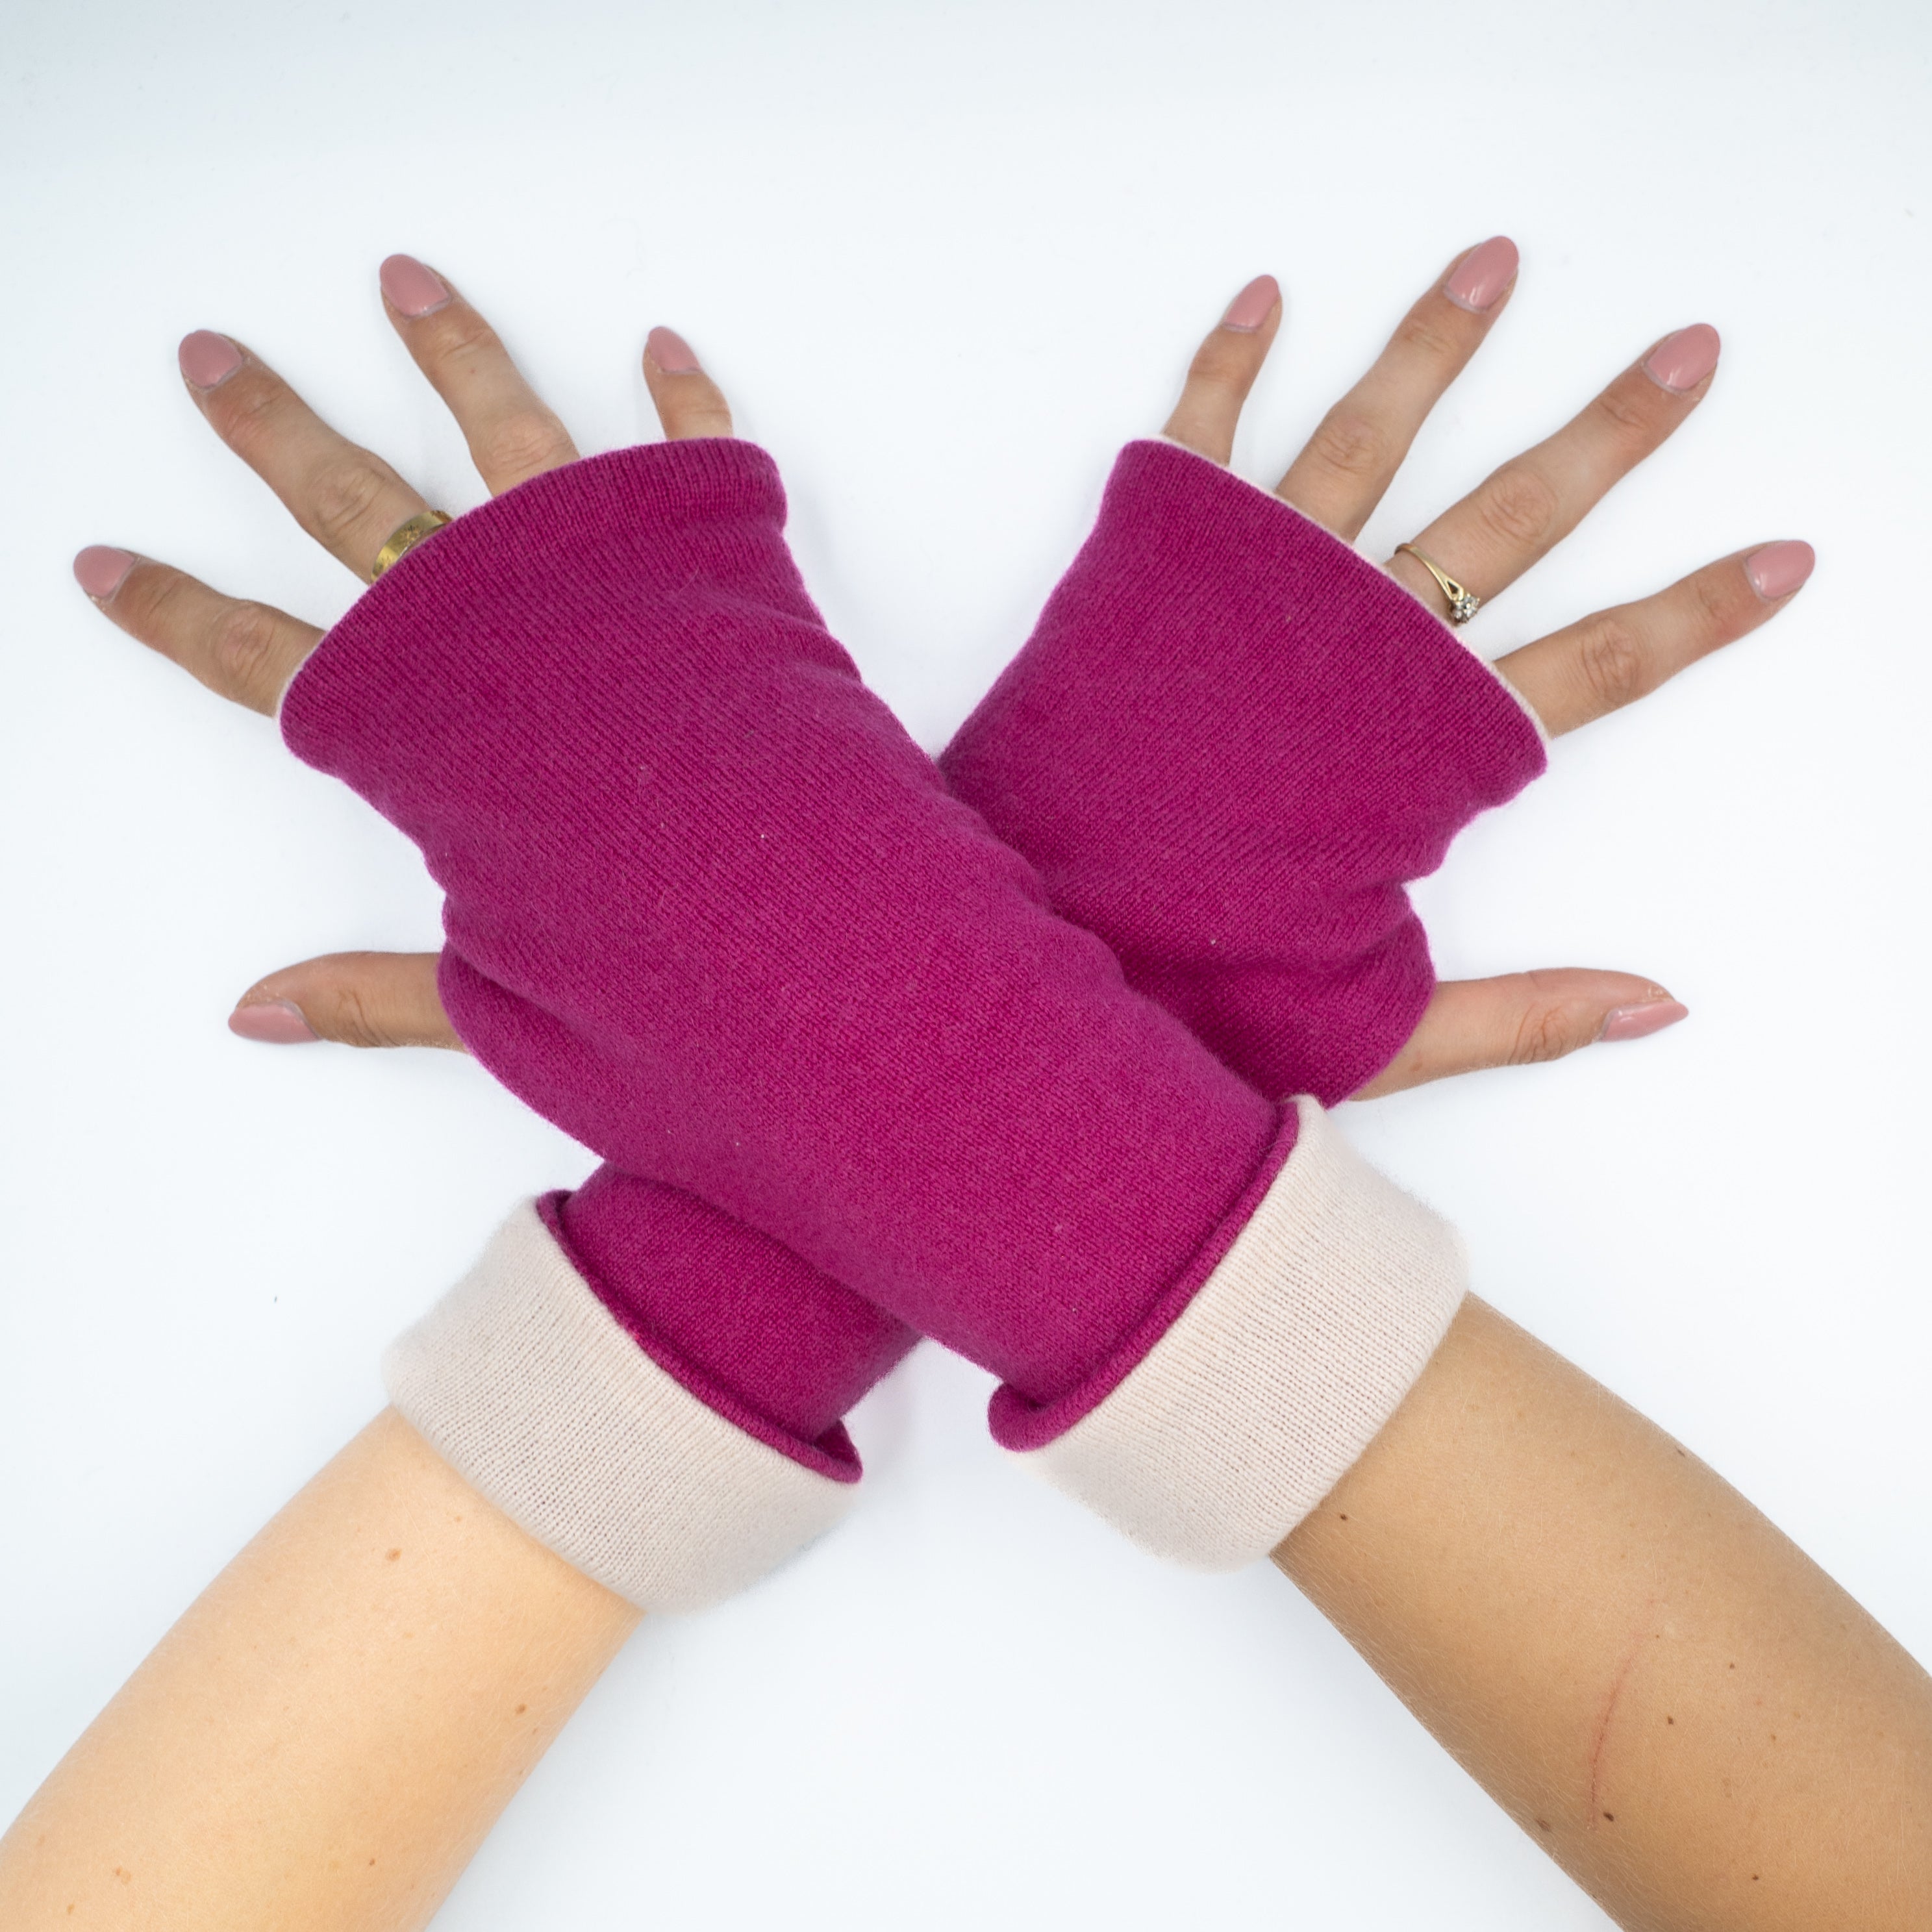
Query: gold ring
(405, 537)
(1463, 604)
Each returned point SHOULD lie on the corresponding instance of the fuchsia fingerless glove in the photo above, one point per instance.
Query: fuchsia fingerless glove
(1228, 745)
(684, 849)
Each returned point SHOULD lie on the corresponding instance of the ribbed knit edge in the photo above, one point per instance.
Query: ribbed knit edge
(523, 1382)
(1280, 1371)
(1451, 633)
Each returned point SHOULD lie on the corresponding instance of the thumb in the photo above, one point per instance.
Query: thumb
(360, 999)
(1518, 1017)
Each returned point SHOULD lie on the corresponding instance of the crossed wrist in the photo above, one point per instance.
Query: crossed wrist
(538, 729)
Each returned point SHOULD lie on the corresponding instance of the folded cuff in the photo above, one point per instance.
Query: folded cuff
(1280, 1371)
(1366, 588)
(523, 1382)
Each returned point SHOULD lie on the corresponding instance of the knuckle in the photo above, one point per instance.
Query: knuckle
(342, 497)
(251, 417)
(462, 331)
(1219, 369)
(1422, 334)
(1352, 444)
(1715, 603)
(1612, 662)
(160, 598)
(1519, 505)
(243, 646)
(249, 406)
(1542, 1034)
(521, 444)
(1623, 411)
(353, 1022)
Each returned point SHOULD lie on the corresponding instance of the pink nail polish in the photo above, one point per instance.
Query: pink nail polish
(412, 290)
(1634, 1022)
(671, 352)
(273, 1022)
(208, 360)
(1252, 306)
(1775, 571)
(1680, 362)
(99, 570)
(1483, 275)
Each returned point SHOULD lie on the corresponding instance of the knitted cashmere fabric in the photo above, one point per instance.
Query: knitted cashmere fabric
(710, 1293)
(1228, 745)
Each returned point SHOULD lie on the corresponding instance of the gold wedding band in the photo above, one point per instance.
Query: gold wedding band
(405, 537)
(1463, 604)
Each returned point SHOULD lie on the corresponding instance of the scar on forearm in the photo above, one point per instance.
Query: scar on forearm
(1646, 1633)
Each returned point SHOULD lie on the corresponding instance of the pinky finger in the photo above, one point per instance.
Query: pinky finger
(1520, 1019)
(356, 999)
(689, 403)
(243, 651)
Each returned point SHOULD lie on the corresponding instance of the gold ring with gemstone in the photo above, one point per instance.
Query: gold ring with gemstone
(1463, 604)
(405, 537)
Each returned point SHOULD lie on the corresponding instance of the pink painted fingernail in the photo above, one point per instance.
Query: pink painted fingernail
(1252, 306)
(1680, 362)
(273, 1022)
(671, 352)
(99, 569)
(1483, 275)
(1775, 571)
(1634, 1022)
(208, 360)
(412, 290)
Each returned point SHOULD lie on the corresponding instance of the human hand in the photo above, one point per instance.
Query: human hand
(350, 501)
(344, 496)
(1485, 542)
(282, 644)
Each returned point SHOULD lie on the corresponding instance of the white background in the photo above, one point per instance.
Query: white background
(944, 259)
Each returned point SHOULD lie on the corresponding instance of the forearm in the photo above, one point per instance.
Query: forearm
(1692, 1718)
(324, 1739)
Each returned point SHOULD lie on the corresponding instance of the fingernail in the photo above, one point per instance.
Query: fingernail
(1680, 362)
(671, 352)
(208, 360)
(411, 289)
(1775, 571)
(1483, 275)
(1251, 307)
(100, 568)
(273, 1022)
(1634, 1022)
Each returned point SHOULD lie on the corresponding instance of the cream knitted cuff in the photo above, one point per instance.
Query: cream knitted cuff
(1278, 1372)
(521, 1380)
